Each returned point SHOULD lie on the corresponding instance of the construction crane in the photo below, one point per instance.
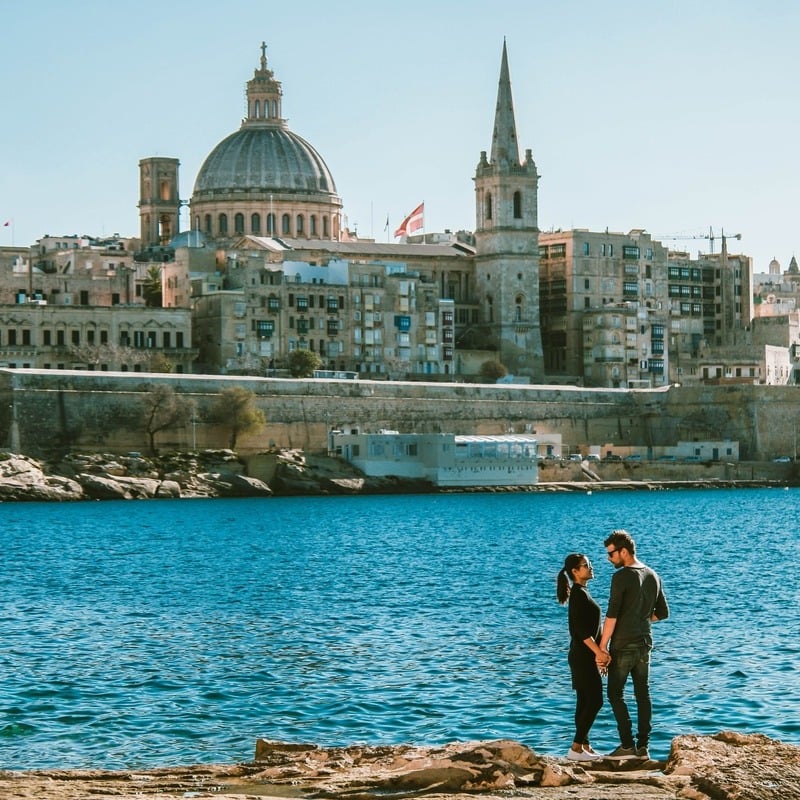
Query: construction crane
(710, 237)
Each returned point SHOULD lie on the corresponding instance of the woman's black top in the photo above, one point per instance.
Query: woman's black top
(584, 623)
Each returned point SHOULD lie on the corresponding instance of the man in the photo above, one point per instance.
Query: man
(636, 600)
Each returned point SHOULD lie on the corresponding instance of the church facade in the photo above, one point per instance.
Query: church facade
(286, 275)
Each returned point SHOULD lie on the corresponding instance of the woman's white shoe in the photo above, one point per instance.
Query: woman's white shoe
(581, 755)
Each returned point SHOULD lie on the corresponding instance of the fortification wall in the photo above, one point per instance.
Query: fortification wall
(42, 411)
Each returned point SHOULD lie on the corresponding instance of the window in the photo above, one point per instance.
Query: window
(517, 205)
(46, 338)
(313, 224)
(255, 223)
(286, 224)
(208, 223)
(238, 223)
(265, 328)
(179, 339)
(76, 337)
(488, 205)
(223, 224)
(299, 224)
(630, 251)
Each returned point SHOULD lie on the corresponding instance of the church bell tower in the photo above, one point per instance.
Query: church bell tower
(507, 243)
(159, 202)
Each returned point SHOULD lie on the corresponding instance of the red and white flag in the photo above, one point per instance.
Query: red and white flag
(413, 222)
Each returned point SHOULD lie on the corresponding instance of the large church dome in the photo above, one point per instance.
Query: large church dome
(264, 158)
(265, 180)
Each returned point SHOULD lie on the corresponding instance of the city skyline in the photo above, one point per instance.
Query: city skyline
(674, 119)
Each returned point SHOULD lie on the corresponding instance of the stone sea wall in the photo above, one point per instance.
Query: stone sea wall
(42, 411)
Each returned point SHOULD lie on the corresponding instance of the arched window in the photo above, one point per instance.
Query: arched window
(286, 224)
(299, 225)
(313, 224)
(488, 205)
(325, 233)
(518, 308)
(223, 224)
(517, 205)
(274, 108)
(238, 223)
(257, 110)
(255, 223)
(208, 224)
(270, 224)
(490, 308)
(197, 222)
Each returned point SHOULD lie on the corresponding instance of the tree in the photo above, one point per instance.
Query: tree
(113, 355)
(236, 407)
(162, 409)
(159, 362)
(151, 288)
(302, 363)
(492, 370)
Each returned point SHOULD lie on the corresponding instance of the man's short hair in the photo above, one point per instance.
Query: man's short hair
(621, 538)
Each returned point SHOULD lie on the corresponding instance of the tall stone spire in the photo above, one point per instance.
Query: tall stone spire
(507, 244)
(505, 149)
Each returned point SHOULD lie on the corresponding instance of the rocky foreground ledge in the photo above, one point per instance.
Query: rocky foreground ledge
(727, 766)
(291, 473)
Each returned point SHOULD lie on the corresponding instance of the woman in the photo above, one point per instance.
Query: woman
(584, 631)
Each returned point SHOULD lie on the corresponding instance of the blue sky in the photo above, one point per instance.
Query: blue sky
(676, 117)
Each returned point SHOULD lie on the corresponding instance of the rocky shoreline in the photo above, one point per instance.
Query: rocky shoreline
(726, 766)
(288, 473)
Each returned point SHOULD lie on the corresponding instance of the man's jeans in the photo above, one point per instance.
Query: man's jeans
(633, 660)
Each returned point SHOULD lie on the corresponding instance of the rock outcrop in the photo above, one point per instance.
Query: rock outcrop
(727, 766)
(213, 473)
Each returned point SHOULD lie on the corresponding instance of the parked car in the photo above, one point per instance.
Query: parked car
(612, 457)
(782, 460)
(633, 457)
(667, 458)
(575, 457)
(692, 460)
(592, 457)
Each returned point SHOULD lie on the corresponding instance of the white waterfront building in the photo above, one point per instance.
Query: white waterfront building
(444, 459)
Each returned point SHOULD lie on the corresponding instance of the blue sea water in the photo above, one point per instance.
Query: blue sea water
(137, 634)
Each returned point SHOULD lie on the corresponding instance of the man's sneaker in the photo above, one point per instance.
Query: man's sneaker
(623, 752)
(643, 752)
(581, 755)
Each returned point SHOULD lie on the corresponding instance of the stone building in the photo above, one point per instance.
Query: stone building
(79, 303)
(623, 310)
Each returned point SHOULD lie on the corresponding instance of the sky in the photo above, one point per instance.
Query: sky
(678, 117)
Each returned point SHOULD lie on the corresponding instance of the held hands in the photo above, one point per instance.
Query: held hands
(603, 659)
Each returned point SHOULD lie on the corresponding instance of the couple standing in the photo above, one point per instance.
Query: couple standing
(620, 649)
